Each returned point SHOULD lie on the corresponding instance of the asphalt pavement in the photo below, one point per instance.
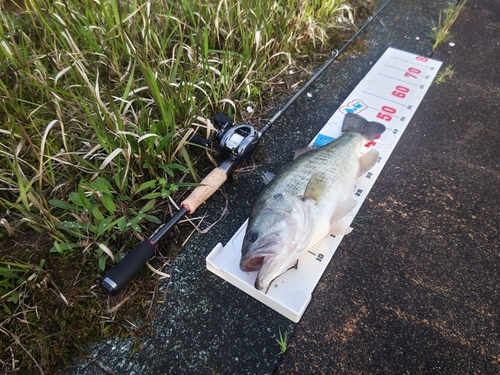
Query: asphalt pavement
(415, 288)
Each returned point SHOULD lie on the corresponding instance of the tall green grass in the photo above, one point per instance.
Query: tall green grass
(113, 90)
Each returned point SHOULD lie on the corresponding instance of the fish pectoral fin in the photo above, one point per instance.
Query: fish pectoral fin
(337, 226)
(316, 187)
(367, 161)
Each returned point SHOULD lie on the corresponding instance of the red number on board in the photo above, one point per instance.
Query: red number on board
(384, 116)
(388, 110)
(412, 72)
(400, 92)
(386, 113)
(372, 143)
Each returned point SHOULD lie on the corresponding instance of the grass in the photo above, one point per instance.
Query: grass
(443, 75)
(282, 341)
(97, 102)
(440, 33)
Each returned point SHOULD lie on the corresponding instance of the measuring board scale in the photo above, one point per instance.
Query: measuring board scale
(390, 94)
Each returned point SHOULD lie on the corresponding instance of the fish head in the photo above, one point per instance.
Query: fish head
(279, 228)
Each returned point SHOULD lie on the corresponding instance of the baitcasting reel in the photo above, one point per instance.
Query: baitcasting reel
(237, 142)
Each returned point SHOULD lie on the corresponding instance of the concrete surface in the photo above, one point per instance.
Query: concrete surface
(415, 288)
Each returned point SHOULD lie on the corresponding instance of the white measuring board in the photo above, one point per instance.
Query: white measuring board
(390, 94)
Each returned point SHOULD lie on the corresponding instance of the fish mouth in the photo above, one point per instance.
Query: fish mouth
(254, 261)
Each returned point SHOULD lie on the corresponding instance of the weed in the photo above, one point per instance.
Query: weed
(282, 341)
(441, 32)
(443, 75)
(15, 277)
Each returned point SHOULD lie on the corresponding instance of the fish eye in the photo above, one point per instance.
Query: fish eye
(252, 236)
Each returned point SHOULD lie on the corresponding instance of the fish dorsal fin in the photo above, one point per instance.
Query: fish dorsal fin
(301, 151)
(316, 187)
(367, 161)
(337, 226)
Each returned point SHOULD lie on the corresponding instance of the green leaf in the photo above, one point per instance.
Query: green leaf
(108, 202)
(7, 310)
(164, 141)
(102, 262)
(148, 206)
(6, 284)
(83, 198)
(75, 198)
(152, 219)
(62, 247)
(14, 297)
(119, 257)
(151, 196)
(189, 163)
(146, 185)
(97, 213)
(104, 225)
(100, 186)
(136, 227)
(121, 224)
(73, 225)
(166, 169)
(63, 205)
(9, 272)
(179, 167)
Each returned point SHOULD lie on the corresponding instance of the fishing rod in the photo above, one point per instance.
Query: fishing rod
(237, 143)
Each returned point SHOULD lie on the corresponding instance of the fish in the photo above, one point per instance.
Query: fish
(306, 201)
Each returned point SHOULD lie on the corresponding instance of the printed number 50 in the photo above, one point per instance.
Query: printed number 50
(386, 113)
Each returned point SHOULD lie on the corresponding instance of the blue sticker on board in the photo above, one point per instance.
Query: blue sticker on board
(322, 140)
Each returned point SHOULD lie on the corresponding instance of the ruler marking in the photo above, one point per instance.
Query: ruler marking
(399, 79)
(413, 63)
(406, 71)
(381, 97)
(379, 109)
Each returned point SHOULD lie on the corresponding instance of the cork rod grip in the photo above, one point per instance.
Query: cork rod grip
(208, 186)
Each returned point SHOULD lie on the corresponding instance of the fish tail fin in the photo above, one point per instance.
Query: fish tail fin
(358, 124)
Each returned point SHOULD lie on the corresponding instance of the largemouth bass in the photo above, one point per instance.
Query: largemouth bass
(306, 201)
